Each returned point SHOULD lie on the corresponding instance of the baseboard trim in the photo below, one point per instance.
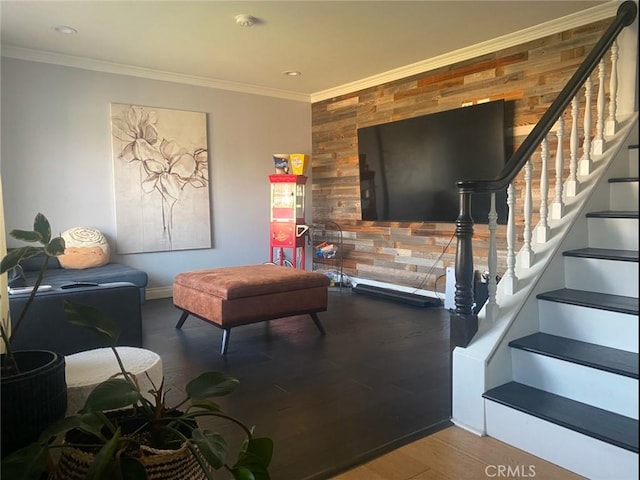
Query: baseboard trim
(159, 292)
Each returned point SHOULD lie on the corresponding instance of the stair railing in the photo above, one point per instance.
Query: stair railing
(464, 322)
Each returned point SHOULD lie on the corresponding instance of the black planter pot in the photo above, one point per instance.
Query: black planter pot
(32, 399)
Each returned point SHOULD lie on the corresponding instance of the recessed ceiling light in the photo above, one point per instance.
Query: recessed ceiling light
(245, 20)
(65, 30)
(292, 73)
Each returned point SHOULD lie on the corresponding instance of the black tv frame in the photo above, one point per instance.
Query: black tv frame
(409, 168)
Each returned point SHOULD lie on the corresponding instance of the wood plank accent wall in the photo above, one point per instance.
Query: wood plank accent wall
(415, 255)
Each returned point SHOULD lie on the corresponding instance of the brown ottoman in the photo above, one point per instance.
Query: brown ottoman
(231, 296)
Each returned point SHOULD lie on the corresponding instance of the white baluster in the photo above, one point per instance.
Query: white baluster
(526, 254)
(599, 143)
(557, 207)
(510, 280)
(542, 230)
(611, 126)
(491, 308)
(571, 187)
(586, 165)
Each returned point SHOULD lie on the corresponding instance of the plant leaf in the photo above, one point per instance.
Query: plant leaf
(211, 384)
(132, 469)
(110, 395)
(212, 446)
(55, 247)
(26, 235)
(104, 462)
(42, 226)
(26, 463)
(94, 319)
(61, 426)
(205, 404)
(16, 255)
(256, 457)
(261, 448)
(242, 473)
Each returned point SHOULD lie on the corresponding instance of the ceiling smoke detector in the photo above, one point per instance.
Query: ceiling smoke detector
(245, 20)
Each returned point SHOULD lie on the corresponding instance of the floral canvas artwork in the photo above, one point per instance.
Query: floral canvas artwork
(161, 176)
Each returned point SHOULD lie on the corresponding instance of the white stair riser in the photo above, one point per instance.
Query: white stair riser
(617, 233)
(633, 162)
(599, 275)
(601, 389)
(623, 196)
(579, 453)
(591, 325)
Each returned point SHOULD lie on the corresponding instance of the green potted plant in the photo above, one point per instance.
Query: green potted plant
(25, 415)
(121, 434)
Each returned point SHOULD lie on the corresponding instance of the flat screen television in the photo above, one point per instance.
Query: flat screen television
(409, 168)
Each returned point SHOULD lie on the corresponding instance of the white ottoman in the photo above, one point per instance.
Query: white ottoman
(85, 370)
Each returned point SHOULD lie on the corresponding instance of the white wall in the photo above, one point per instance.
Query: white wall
(56, 157)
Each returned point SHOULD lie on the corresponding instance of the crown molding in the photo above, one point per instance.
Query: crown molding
(148, 73)
(552, 27)
(594, 14)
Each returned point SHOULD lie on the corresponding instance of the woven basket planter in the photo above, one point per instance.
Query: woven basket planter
(33, 399)
(159, 464)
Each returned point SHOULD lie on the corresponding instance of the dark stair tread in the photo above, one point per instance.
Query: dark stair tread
(591, 355)
(623, 179)
(614, 214)
(600, 301)
(604, 254)
(577, 416)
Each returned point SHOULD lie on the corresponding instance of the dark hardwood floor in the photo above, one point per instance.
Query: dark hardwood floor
(378, 379)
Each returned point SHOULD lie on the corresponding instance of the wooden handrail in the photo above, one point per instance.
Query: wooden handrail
(464, 323)
(625, 16)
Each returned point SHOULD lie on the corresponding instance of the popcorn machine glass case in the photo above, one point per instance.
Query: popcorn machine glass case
(287, 198)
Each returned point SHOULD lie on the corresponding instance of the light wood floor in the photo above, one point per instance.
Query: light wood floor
(454, 454)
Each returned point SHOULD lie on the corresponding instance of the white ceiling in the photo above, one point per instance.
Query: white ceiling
(334, 44)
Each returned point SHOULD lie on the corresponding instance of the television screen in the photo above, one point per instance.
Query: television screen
(409, 168)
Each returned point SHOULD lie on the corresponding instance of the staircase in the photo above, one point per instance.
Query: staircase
(573, 394)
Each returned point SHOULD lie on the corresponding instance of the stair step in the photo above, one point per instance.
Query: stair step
(582, 353)
(602, 270)
(595, 422)
(614, 214)
(604, 254)
(613, 229)
(623, 193)
(600, 301)
(611, 329)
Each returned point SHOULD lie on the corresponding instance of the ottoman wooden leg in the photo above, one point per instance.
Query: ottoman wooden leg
(316, 320)
(183, 317)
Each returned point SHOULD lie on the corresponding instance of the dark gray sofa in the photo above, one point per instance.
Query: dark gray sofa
(56, 276)
(46, 328)
(119, 294)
